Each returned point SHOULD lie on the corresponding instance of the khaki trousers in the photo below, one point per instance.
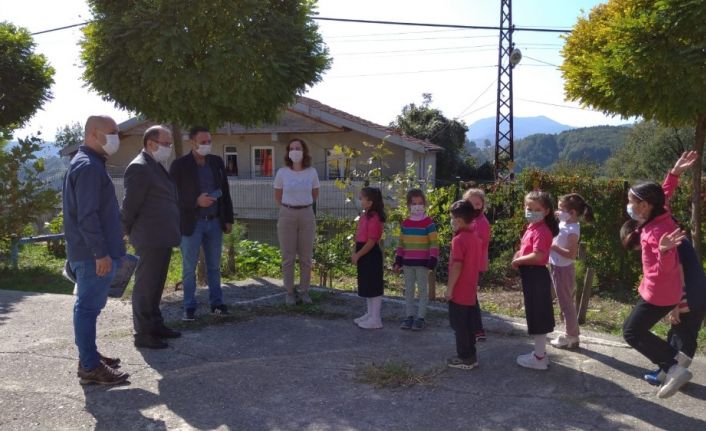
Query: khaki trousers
(295, 230)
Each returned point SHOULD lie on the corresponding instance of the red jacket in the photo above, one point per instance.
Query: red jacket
(661, 280)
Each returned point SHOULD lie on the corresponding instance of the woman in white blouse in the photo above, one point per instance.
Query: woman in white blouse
(296, 189)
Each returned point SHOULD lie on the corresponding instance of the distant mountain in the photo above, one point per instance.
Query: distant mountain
(588, 144)
(47, 150)
(522, 127)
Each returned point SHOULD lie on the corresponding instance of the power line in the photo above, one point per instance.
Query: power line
(424, 24)
(477, 98)
(413, 71)
(366, 21)
(559, 106)
(452, 48)
(393, 33)
(541, 61)
(478, 109)
(60, 28)
(416, 38)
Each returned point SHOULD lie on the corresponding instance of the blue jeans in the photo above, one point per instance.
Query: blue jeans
(92, 294)
(208, 234)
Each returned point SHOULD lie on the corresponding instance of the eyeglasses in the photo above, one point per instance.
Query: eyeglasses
(164, 144)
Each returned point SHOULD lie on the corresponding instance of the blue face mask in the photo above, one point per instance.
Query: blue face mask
(534, 216)
(631, 212)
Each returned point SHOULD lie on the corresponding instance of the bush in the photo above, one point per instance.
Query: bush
(332, 249)
(616, 270)
(254, 258)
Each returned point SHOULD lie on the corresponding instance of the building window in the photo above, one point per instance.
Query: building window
(337, 166)
(262, 161)
(230, 155)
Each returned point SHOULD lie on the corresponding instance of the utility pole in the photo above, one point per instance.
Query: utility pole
(508, 57)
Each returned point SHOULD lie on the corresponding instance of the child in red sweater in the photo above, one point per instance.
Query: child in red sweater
(482, 228)
(463, 284)
(531, 260)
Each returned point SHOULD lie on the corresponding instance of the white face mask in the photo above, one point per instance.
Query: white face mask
(454, 227)
(534, 216)
(112, 144)
(633, 215)
(204, 150)
(162, 153)
(563, 216)
(416, 210)
(296, 156)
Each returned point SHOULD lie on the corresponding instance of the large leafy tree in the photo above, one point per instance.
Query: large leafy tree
(207, 62)
(644, 58)
(25, 81)
(23, 195)
(650, 151)
(68, 135)
(25, 78)
(424, 122)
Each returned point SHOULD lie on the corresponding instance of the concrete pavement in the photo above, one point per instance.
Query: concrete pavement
(288, 371)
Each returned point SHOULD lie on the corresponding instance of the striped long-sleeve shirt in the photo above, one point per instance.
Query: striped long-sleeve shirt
(419, 243)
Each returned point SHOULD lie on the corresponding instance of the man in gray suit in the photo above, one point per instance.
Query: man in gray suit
(150, 216)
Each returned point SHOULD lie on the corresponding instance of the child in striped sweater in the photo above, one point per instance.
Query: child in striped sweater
(417, 254)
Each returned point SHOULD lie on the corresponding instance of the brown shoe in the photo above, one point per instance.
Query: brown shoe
(101, 375)
(111, 362)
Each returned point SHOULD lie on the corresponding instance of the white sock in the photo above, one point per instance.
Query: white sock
(540, 345)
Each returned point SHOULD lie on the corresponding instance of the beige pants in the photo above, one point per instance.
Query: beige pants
(295, 230)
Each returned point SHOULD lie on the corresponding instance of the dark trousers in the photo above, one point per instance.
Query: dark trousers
(477, 321)
(682, 336)
(150, 276)
(636, 332)
(461, 318)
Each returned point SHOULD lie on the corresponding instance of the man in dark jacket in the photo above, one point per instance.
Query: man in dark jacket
(150, 216)
(94, 243)
(206, 212)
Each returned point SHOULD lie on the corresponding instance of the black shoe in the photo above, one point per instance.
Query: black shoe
(419, 324)
(189, 315)
(407, 323)
(220, 310)
(149, 342)
(165, 332)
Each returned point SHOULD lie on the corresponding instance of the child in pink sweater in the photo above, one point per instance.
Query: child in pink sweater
(661, 286)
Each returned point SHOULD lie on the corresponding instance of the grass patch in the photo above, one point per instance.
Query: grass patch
(241, 314)
(396, 374)
(38, 271)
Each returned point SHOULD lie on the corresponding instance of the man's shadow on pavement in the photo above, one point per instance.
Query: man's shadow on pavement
(691, 389)
(118, 407)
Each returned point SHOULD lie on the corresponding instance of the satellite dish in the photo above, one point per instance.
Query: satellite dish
(515, 57)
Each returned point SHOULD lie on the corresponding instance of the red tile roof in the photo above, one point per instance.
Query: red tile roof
(315, 104)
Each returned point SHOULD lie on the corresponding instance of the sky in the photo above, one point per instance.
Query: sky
(377, 69)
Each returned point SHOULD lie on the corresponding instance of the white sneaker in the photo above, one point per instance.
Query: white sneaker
(531, 361)
(370, 323)
(683, 359)
(362, 318)
(565, 342)
(677, 376)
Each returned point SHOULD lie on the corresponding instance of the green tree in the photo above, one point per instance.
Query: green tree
(206, 62)
(25, 78)
(424, 122)
(644, 58)
(23, 196)
(68, 135)
(650, 151)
